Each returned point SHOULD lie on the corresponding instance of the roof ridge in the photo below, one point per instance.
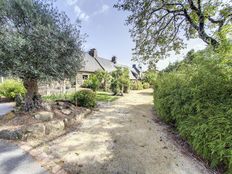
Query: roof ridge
(99, 63)
(104, 58)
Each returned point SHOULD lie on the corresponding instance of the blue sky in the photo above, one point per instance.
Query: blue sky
(106, 30)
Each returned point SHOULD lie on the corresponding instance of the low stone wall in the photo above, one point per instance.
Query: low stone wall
(45, 127)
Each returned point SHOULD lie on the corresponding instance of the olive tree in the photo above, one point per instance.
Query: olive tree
(37, 43)
(160, 26)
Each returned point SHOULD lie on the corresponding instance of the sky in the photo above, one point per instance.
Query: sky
(106, 30)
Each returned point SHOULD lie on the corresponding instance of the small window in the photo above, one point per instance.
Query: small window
(85, 77)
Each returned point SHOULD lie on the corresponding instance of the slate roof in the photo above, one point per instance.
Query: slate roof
(92, 64)
(106, 64)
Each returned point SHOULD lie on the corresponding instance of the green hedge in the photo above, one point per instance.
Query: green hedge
(146, 85)
(85, 98)
(11, 88)
(197, 99)
(136, 85)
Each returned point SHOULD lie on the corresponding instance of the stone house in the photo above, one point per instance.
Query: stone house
(93, 63)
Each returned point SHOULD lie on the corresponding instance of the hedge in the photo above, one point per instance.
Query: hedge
(197, 99)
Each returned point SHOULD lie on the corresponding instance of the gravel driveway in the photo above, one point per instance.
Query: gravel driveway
(122, 138)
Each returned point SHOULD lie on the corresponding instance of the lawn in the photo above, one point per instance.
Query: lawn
(100, 96)
(106, 97)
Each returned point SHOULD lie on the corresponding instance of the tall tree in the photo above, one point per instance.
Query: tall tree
(37, 42)
(160, 26)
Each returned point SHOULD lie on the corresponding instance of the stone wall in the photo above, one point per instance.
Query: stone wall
(80, 79)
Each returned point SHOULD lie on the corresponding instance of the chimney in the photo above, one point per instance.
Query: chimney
(93, 52)
(114, 59)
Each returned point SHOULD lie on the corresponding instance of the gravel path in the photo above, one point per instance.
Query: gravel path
(13, 160)
(6, 107)
(122, 138)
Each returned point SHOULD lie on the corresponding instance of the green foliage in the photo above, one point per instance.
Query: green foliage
(115, 88)
(100, 96)
(104, 79)
(121, 81)
(159, 27)
(150, 77)
(85, 98)
(188, 59)
(197, 99)
(136, 85)
(11, 88)
(92, 82)
(105, 97)
(146, 85)
(37, 41)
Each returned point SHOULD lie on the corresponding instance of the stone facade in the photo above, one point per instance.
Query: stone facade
(82, 76)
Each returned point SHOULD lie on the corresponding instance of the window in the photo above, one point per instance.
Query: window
(85, 77)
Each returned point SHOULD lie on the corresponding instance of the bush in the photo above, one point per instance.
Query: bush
(197, 99)
(86, 84)
(85, 98)
(11, 88)
(115, 87)
(92, 83)
(137, 85)
(146, 85)
(150, 77)
(104, 79)
(121, 81)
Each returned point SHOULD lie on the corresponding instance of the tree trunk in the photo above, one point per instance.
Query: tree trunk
(32, 98)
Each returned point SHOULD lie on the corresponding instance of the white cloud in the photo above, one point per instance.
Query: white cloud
(80, 14)
(104, 8)
(71, 2)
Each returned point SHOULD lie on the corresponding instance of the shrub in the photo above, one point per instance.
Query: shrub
(92, 83)
(85, 98)
(197, 99)
(104, 79)
(11, 88)
(137, 85)
(115, 87)
(121, 81)
(86, 84)
(150, 77)
(146, 85)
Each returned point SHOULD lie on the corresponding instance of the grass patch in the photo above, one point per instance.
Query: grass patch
(100, 96)
(105, 97)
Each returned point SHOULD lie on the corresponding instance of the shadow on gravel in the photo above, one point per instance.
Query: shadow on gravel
(146, 93)
(114, 140)
(107, 151)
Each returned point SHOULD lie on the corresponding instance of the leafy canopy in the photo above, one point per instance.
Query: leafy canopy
(37, 41)
(160, 26)
(196, 97)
